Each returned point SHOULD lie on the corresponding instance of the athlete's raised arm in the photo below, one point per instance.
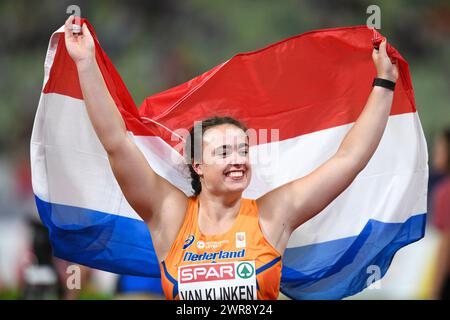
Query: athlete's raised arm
(287, 207)
(149, 194)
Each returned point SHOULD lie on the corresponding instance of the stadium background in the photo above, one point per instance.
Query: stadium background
(156, 45)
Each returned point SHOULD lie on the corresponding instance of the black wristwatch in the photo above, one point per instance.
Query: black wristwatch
(388, 84)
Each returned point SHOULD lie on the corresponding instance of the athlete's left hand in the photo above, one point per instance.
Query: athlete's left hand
(385, 68)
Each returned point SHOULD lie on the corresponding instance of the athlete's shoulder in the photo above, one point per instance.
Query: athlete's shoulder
(250, 206)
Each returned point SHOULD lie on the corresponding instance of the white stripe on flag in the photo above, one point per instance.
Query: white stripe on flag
(80, 174)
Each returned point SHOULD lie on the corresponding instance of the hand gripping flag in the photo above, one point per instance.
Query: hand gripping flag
(301, 95)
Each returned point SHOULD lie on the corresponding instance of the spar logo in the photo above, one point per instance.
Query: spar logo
(207, 272)
(245, 270)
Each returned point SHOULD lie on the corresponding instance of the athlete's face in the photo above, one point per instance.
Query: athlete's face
(225, 165)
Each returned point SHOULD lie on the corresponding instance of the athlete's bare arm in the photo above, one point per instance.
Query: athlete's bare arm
(156, 200)
(287, 207)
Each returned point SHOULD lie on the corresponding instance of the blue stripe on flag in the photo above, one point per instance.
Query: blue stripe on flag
(99, 240)
(340, 268)
(328, 270)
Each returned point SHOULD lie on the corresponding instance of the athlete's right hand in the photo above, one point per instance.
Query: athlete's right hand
(80, 46)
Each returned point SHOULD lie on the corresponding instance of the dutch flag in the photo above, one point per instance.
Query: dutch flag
(301, 95)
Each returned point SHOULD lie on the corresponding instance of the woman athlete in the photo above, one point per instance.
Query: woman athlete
(216, 244)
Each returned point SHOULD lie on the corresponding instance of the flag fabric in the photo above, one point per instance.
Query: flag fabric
(301, 96)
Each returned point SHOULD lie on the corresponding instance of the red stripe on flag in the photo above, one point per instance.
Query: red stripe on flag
(314, 81)
(63, 79)
(310, 82)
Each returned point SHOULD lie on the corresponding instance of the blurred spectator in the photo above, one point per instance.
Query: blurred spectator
(441, 216)
(40, 279)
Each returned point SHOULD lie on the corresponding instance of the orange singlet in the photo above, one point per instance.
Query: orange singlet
(237, 265)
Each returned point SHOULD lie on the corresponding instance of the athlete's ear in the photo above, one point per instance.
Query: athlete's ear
(197, 168)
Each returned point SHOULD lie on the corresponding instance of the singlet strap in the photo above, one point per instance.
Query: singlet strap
(268, 265)
(171, 279)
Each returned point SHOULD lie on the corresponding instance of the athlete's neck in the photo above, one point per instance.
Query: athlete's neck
(217, 210)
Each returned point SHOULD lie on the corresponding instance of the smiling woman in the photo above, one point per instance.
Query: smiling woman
(219, 243)
(256, 231)
(217, 148)
(246, 266)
